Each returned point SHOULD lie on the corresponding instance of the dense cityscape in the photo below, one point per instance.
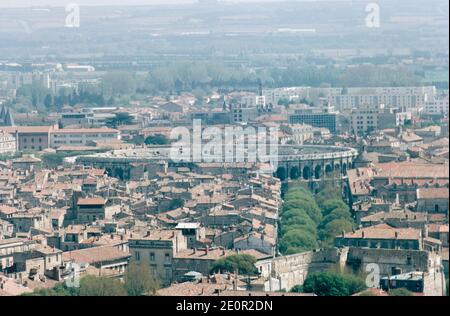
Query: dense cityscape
(224, 149)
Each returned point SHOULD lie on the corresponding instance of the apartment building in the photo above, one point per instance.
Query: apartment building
(369, 118)
(325, 117)
(157, 249)
(405, 98)
(30, 138)
(82, 136)
(438, 106)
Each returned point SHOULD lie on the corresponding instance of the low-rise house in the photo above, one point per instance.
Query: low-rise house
(104, 257)
(38, 262)
(6, 229)
(157, 249)
(91, 209)
(433, 200)
(198, 260)
(257, 241)
(386, 237)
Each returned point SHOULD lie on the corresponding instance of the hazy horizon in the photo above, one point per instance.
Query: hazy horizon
(59, 3)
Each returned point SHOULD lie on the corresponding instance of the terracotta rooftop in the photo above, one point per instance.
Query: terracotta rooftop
(91, 201)
(384, 231)
(203, 254)
(412, 170)
(95, 255)
(432, 193)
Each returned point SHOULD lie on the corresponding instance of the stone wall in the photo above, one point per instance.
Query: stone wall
(287, 271)
(283, 273)
(404, 261)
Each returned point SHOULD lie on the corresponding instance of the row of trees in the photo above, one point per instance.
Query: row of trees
(138, 280)
(331, 283)
(188, 76)
(41, 97)
(334, 283)
(202, 77)
(309, 222)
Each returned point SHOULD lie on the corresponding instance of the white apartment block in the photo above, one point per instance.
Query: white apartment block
(405, 98)
(20, 79)
(439, 106)
(82, 136)
(364, 119)
(7, 143)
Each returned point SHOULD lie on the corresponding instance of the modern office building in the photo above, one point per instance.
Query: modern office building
(324, 116)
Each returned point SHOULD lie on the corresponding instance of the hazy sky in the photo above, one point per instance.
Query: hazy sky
(28, 3)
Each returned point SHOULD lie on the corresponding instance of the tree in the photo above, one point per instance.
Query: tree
(89, 286)
(122, 118)
(157, 139)
(48, 101)
(119, 82)
(59, 290)
(329, 205)
(333, 284)
(296, 241)
(140, 280)
(101, 286)
(333, 229)
(52, 160)
(245, 264)
(400, 292)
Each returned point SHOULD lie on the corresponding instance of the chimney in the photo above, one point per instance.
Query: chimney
(396, 235)
(206, 250)
(363, 234)
(425, 231)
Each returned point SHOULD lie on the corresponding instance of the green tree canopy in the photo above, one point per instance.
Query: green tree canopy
(157, 139)
(400, 292)
(101, 286)
(140, 280)
(333, 284)
(245, 264)
(119, 119)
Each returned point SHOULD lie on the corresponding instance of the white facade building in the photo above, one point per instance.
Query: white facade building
(7, 143)
(439, 106)
(82, 136)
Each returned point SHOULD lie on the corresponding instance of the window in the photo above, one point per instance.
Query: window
(168, 273)
(152, 256)
(167, 257)
(137, 256)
